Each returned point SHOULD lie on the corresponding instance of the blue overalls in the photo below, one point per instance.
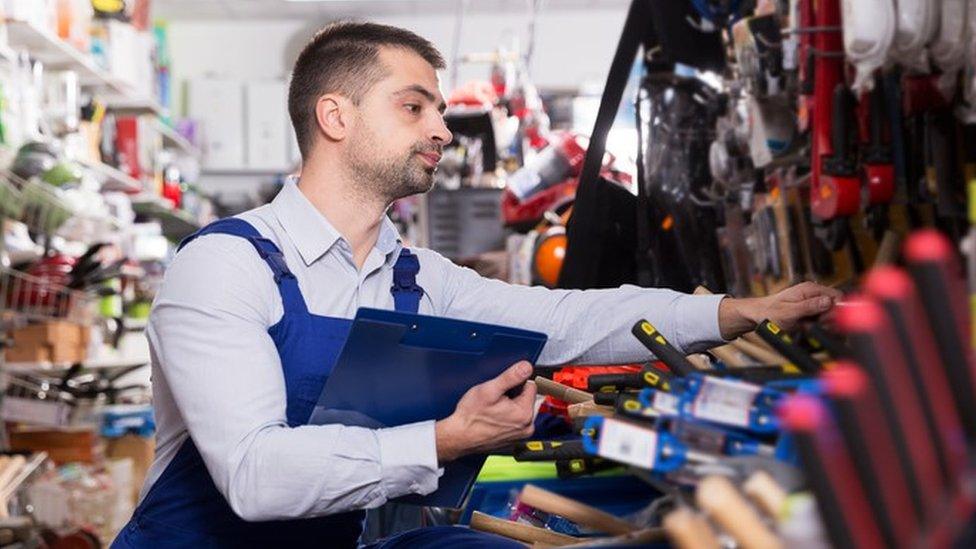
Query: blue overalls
(184, 508)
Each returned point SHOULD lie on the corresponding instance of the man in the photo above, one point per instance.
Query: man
(254, 310)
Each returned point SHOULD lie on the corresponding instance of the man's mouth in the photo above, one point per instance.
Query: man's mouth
(431, 158)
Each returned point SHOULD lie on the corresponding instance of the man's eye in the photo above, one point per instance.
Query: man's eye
(414, 109)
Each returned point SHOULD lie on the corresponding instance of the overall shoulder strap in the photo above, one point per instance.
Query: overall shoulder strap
(406, 292)
(291, 295)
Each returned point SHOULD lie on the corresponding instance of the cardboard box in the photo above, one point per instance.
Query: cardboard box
(49, 333)
(64, 445)
(54, 341)
(40, 353)
(140, 450)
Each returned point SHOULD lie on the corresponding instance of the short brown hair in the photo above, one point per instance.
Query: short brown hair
(343, 58)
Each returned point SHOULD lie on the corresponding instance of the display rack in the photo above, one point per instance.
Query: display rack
(60, 367)
(172, 139)
(56, 53)
(176, 224)
(112, 179)
(27, 297)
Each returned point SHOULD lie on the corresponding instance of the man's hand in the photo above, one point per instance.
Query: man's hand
(485, 418)
(787, 308)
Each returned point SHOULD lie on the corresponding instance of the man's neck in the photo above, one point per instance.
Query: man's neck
(357, 216)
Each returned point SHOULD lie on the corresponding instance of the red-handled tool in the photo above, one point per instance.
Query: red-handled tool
(879, 168)
(938, 278)
(827, 464)
(862, 424)
(876, 348)
(896, 292)
(835, 188)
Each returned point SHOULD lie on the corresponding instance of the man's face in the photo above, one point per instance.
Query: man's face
(399, 133)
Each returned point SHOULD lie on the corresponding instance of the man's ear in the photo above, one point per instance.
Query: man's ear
(332, 115)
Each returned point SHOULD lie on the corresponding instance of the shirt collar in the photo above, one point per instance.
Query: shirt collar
(312, 233)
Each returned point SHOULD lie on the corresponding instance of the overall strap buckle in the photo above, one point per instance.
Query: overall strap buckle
(406, 292)
(273, 257)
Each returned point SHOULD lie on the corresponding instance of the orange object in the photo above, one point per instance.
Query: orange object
(549, 253)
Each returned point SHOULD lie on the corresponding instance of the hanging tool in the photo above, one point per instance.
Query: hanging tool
(879, 168)
(834, 188)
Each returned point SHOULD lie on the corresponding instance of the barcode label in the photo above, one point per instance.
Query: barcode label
(665, 403)
(724, 401)
(627, 443)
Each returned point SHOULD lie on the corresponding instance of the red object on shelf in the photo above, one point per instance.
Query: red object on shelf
(837, 194)
(127, 145)
(578, 376)
(529, 212)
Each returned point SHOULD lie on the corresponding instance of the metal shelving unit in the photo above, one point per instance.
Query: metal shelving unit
(172, 139)
(176, 224)
(58, 54)
(112, 179)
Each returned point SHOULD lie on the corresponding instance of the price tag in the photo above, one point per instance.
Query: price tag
(666, 403)
(626, 443)
(724, 401)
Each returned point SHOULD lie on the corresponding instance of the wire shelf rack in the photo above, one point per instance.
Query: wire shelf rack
(26, 297)
(34, 203)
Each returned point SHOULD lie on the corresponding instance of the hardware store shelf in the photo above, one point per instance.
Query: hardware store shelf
(58, 54)
(176, 224)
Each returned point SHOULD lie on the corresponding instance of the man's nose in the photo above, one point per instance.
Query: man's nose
(440, 134)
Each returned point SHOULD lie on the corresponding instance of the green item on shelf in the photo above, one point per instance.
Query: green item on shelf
(43, 211)
(139, 309)
(505, 468)
(62, 173)
(11, 200)
(111, 306)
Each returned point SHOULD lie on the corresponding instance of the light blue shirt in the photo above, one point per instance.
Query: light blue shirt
(217, 375)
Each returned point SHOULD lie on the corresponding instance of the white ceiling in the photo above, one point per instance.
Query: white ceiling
(282, 9)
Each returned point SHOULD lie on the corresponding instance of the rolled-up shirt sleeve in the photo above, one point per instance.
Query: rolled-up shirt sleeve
(209, 336)
(584, 326)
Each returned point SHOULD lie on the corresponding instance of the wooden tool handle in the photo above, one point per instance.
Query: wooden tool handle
(9, 467)
(752, 340)
(548, 387)
(585, 409)
(720, 499)
(580, 513)
(766, 493)
(689, 530)
(758, 352)
(638, 537)
(519, 531)
(730, 356)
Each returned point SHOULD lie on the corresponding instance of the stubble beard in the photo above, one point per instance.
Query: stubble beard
(392, 178)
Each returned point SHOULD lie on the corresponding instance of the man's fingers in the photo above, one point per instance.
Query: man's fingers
(526, 400)
(815, 306)
(514, 376)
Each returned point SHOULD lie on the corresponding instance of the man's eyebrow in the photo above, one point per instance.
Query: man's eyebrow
(417, 88)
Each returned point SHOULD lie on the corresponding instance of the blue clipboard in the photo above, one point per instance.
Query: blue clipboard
(399, 368)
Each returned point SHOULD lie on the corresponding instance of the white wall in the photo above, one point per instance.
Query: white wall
(573, 47)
